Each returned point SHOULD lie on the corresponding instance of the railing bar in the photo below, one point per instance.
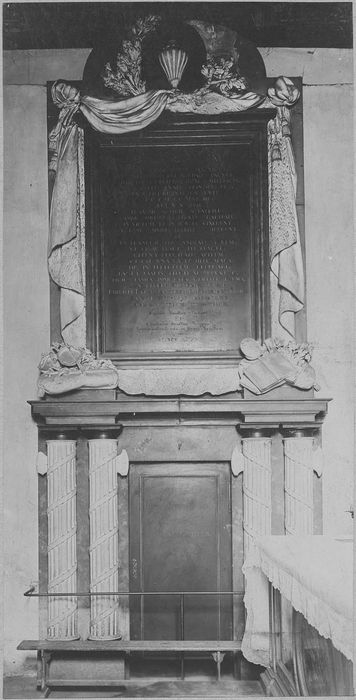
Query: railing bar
(142, 615)
(182, 632)
(272, 626)
(219, 616)
(182, 615)
(111, 593)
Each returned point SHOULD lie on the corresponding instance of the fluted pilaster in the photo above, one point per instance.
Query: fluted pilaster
(104, 544)
(256, 488)
(62, 530)
(298, 485)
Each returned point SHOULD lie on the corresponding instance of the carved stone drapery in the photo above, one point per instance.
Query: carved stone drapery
(104, 545)
(124, 116)
(62, 527)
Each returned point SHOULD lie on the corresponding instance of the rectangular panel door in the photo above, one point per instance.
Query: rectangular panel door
(180, 540)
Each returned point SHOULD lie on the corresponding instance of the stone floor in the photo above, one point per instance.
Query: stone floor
(149, 678)
(24, 688)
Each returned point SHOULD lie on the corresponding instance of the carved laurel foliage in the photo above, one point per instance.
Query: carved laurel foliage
(126, 79)
(222, 76)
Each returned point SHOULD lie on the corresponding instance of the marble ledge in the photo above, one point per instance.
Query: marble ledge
(204, 410)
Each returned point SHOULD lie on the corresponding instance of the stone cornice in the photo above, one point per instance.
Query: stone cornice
(124, 411)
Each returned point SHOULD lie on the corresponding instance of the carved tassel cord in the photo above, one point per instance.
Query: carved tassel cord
(256, 489)
(298, 485)
(104, 543)
(62, 530)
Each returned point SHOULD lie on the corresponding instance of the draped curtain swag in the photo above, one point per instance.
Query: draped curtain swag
(67, 217)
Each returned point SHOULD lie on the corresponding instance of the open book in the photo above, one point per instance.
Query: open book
(267, 372)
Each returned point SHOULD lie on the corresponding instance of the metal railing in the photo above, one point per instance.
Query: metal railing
(30, 593)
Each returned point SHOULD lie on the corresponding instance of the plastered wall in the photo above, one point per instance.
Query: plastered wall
(26, 333)
(328, 126)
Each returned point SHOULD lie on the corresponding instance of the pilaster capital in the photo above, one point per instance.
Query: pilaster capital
(106, 432)
(304, 448)
(250, 432)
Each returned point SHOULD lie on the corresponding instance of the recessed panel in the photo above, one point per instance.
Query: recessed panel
(176, 248)
(180, 543)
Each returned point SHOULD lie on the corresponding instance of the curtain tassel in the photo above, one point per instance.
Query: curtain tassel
(285, 128)
(276, 153)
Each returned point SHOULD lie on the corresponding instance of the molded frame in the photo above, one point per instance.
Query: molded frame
(246, 129)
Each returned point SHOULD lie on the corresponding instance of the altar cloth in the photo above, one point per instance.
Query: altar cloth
(314, 573)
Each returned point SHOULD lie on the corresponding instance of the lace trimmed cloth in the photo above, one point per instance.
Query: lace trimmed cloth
(315, 574)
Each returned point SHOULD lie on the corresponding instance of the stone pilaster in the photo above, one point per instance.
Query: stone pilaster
(256, 488)
(104, 544)
(62, 530)
(299, 464)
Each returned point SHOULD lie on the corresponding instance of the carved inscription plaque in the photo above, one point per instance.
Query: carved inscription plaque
(176, 249)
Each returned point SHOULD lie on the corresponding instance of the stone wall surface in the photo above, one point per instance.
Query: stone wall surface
(330, 288)
(26, 335)
(328, 126)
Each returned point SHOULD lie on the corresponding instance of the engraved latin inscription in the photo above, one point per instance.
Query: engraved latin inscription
(176, 265)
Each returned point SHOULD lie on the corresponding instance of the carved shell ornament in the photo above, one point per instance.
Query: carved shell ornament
(173, 61)
(69, 356)
(64, 358)
(220, 74)
(251, 348)
(223, 66)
